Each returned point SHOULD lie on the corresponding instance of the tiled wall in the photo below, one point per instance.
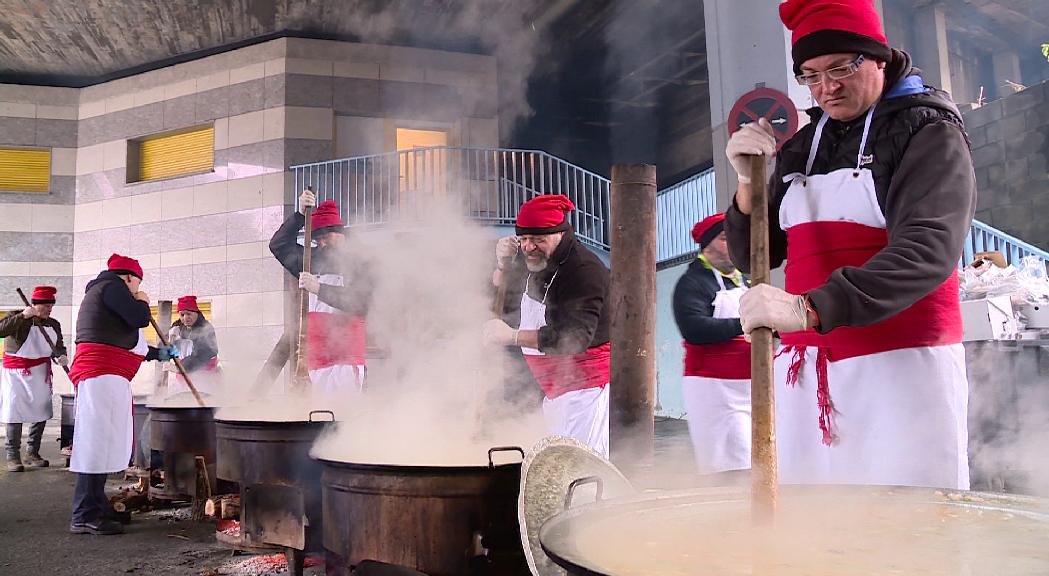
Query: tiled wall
(272, 105)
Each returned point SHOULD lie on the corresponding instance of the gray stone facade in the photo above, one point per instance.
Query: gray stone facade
(1010, 140)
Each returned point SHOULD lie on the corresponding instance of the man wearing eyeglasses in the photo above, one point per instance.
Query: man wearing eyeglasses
(869, 207)
(564, 327)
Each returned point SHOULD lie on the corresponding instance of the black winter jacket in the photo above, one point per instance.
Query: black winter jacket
(694, 307)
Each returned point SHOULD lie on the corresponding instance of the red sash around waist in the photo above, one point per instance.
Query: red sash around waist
(725, 360)
(557, 375)
(93, 360)
(334, 339)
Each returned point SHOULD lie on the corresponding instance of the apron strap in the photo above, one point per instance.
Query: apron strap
(816, 143)
(866, 132)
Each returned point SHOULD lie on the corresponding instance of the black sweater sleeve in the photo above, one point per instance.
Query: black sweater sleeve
(354, 296)
(205, 347)
(60, 344)
(928, 211)
(10, 323)
(285, 246)
(578, 303)
(119, 299)
(694, 313)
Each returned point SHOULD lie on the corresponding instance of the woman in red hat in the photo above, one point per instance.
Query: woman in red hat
(25, 381)
(870, 206)
(716, 383)
(563, 330)
(196, 340)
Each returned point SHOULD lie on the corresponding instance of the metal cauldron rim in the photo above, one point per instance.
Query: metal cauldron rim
(427, 468)
(1032, 506)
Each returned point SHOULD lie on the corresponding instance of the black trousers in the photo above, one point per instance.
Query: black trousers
(89, 498)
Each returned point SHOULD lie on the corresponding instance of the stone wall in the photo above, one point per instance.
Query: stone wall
(1010, 139)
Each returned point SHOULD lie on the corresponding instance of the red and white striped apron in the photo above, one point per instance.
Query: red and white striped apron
(880, 404)
(576, 387)
(716, 391)
(335, 354)
(25, 380)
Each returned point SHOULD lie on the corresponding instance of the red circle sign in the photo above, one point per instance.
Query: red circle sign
(773, 105)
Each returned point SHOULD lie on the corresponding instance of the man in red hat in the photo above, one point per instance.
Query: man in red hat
(716, 383)
(339, 288)
(563, 330)
(110, 347)
(870, 205)
(25, 381)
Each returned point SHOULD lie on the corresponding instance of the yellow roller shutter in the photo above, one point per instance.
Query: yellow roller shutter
(182, 153)
(25, 170)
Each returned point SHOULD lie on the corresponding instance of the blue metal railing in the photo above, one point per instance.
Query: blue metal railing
(489, 183)
(492, 183)
(678, 208)
(983, 238)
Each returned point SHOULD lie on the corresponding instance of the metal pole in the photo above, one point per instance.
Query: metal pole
(164, 314)
(632, 296)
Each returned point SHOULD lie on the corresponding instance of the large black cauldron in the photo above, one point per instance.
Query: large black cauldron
(440, 520)
(183, 434)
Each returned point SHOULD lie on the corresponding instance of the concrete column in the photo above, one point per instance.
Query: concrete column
(747, 46)
(1006, 67)
(930, 46)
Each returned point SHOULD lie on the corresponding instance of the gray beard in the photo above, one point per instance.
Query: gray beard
(538, 267)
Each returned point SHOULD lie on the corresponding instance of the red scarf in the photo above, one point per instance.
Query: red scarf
(557, 375)
(12, 362)
(93, 360)
(334, 339)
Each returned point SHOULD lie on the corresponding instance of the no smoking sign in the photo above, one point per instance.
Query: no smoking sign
(773, 105)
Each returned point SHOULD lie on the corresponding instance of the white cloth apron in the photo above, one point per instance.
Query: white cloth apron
(899, 416)
(104, 432)
(719, 409)
(338, 378)
(27, 398)
(580, 414)
(206, 381)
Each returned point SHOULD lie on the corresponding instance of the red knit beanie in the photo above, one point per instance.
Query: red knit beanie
(326, 216)
(124, 265)
(44, 295)
(708, 228)
(821, 27)
(546, 214)
(188, 303)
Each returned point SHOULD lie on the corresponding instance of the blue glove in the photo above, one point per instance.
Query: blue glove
(165, 353)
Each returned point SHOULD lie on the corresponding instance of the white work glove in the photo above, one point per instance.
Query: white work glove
(765, 306)
(307, 200)
(309, 283)
(506, 248)
(142, 296)
(499, 333)
(29, 312)
(750, 140)
(62, 360)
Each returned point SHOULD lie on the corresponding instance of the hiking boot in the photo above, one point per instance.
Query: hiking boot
(118, 517)
(33, 460)
(98, 528)
(14, 464)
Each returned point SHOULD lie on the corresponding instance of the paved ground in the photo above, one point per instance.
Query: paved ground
(34, 521)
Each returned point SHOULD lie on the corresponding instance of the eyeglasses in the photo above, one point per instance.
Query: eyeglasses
(836, 73)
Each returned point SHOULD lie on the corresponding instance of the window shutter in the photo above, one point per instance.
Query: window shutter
(179, 154)
(25, 170)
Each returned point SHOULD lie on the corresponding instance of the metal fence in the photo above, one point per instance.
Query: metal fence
(678, 208)
(489, 184)
(983, 238)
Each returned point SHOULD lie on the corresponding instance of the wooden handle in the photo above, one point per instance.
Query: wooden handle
(764, 471)
(499, 304)
(302, 372)
(178, 364)
(47, 338)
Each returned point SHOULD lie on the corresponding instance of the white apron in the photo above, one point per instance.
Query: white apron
(337, 379)
(719, 409)
(26, 398)
(206, 381)
(580, 414)
(898, 417)
(104, 432)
